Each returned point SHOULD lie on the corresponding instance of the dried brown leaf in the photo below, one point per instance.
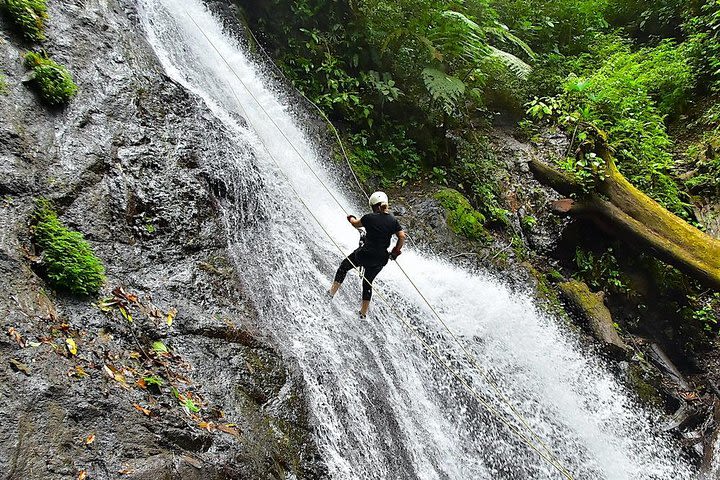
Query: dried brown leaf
(142, 409)
(15, 335)
(19, 366)
(229, 429)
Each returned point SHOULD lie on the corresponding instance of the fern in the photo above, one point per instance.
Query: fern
(513, 63)
(444, 88)
(467, 34)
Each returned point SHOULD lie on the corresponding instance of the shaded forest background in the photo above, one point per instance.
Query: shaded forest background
(415, 85)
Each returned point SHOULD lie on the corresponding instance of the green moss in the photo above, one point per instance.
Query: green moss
(640, 381)
(28, 15)
(3, 85)
(555, 276)
(70, 263)
(53, 81)
(462, 218)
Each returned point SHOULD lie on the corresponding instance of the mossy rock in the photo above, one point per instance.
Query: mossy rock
(53, 82)
(28, 16)
(462, 218)
(69, 261)
(641, 382)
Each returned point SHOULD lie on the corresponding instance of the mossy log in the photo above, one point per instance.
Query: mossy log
(620, 209)
(592, 306)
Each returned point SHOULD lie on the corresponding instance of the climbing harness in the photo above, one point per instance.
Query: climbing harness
(361, 243)
(540, 448)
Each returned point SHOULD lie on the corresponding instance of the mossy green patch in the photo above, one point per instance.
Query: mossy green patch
(70, 263)
(3, 85)
(28, 16)
(53, 81)
(640, 380)
(462, 218)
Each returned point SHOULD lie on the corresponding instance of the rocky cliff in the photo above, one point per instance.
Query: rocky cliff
(162, 375)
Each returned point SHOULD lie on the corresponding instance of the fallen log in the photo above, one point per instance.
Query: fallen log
(621, 210)
(591, 307)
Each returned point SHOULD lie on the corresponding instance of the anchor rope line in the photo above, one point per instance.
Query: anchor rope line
(470, 357)
(545, 453)
(320, 111)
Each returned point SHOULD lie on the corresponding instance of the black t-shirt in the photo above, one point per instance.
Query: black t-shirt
(380, 228)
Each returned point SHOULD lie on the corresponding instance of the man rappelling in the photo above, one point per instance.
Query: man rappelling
(372, 255)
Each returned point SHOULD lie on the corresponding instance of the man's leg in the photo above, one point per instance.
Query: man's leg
(345, 266)
(370, 274)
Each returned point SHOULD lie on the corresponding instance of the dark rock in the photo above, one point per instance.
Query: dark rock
(129, 163)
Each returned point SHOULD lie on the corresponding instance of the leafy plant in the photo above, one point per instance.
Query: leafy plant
(54, 83)
(153, 381)
(446, 89)
(529, 222)
(476, 171)
(28, 15)
(600, 271)
(3, 85)
(627, 97)
(70, 262)
(703, 44)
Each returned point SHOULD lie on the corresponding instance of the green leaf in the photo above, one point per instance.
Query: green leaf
(159, 347)
(125, 314)
(190, 405)
(444, 88)
(153, 381)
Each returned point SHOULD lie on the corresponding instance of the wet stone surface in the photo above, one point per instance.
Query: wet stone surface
(132, 163)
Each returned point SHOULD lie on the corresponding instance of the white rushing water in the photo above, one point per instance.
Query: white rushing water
(384, 409)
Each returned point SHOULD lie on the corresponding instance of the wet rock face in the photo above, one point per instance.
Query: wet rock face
(134, 162)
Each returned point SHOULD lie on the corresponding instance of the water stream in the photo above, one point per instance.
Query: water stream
(384, 408)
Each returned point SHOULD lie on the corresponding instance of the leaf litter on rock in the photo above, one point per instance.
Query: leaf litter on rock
(18, 366)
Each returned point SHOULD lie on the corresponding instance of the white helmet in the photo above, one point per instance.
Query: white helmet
(378, 197)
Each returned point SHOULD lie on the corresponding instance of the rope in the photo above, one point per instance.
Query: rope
(547, 455)
(320, 111)
(471, 358)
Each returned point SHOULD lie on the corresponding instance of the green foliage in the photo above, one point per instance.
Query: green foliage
(462, 218)
(3, 85)
(153, 381)
(704, 309)
(559, 26)
(647, 19)
(703, 44)
(628, 97)
(703, 156)
(445, 89)
(54, 83)
(160, 348)
(475, 170)
(600, 272)
(388, 155)
(529, 222)
(70, 263)
(28, 16)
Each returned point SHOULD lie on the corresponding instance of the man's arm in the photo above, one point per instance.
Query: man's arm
(354, 221)
(397, 249)
(401, 236)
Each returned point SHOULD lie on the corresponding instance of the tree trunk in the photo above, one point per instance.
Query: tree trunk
(620, 209)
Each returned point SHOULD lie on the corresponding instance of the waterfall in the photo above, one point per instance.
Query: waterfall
(384, 409)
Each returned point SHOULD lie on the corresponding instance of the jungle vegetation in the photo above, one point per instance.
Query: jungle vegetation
(413, 84)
